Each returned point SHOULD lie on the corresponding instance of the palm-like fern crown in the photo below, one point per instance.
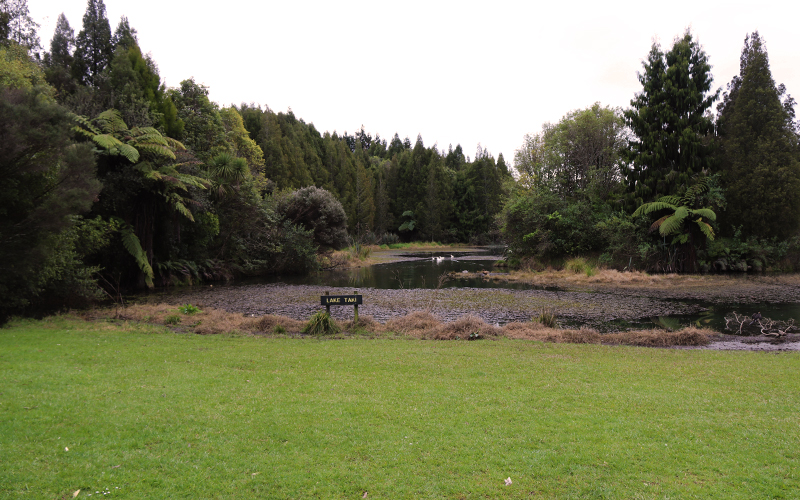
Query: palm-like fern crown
(681, 210)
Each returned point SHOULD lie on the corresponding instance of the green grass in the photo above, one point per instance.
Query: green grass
(147, 413)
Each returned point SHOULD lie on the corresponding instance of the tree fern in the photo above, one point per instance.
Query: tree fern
(134, 247)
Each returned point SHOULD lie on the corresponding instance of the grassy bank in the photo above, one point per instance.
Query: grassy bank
(142, 412)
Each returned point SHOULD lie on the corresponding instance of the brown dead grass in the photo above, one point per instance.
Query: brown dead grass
(418, 324)
(415, 324)
(365, 324)
(462, 328)
(268, 323)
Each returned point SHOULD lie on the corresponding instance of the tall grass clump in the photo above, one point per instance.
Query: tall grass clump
(577, 265)
(321, 324)
(547, 317)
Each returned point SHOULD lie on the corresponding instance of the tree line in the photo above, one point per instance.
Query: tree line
(666, 184)
(115, 182)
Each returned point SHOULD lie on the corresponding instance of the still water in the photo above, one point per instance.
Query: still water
(424, 269)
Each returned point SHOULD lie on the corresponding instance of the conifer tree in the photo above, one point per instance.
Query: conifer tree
(668, 119)
(58, 62)
(759, 146)
(93, 48)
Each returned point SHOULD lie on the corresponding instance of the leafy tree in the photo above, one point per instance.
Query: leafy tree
(19, 71)
(243, 146)
(669, 121)
(93, 47)
(203, 130)
(759, 144)
(580, 156)
(47, 179)
(316, 210)
(18, 25)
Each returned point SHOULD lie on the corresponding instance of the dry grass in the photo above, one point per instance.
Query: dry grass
(415, 324)
(366, 324)
(269, 322)
(462, 328)
(660, 338)
(419, 324)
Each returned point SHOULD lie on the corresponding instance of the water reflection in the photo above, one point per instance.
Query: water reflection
(419, 270)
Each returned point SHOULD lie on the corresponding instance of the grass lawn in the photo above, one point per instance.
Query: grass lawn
(140, 412)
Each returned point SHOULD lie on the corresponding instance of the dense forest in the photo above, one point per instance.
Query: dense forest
(114, 181)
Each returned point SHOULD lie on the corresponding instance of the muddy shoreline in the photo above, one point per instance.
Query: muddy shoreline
(495, 306)
(577, 299)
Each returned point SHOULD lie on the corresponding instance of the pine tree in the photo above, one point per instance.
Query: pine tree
(759, 146)
(93, 48)
(669, 121)
(58, 62)
(124, 35)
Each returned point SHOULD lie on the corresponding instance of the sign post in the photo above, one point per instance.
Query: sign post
(354, 300)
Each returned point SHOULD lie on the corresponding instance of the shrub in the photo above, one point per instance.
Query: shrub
(189, 309)
(546, 318)
(172, 319)
(316, 210)
(321, 324)
(576, 264)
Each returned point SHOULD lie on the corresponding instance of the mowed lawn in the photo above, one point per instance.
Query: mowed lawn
(138, 411)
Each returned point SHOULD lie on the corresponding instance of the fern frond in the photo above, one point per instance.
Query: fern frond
(131, 243)
(110, 121)
(674, 222)
(174, 144)
(106, 141)
(658, 223)
(128, 152)
(177, 203)
(157, 149)
(706, 213)
(672, 200)
(85, 123)
(653, 207)
(705, 228)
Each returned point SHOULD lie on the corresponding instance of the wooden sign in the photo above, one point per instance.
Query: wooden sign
(341, 300)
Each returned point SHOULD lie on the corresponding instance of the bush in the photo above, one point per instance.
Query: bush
(547, 317)
(321, 324)
(316, 210)
(189, 309)
(577, 265)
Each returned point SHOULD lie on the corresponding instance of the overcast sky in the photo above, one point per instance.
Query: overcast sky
(454, 72)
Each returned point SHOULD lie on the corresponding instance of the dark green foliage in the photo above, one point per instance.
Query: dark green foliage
(670, 122)
(58, 62)
(46, 179)
(124, 35)
(316, 210)
(760, 153)
(686, 220)
(203, 131)
(546, 226)
(93, 47)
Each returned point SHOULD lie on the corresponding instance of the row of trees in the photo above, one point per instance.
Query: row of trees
(604, 180)
(112, 178)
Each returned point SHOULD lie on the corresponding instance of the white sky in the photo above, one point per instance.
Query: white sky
(454, 71)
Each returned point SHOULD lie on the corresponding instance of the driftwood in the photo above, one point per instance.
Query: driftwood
(741, 324)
